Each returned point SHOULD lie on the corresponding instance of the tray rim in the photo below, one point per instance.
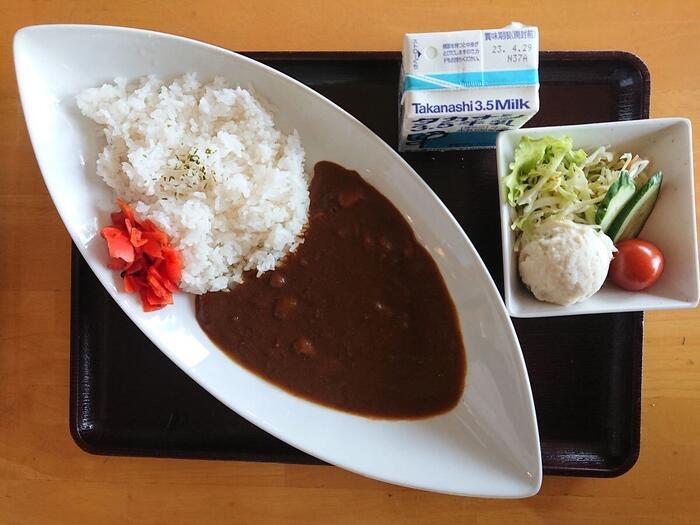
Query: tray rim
(634, 60)
(82, 436)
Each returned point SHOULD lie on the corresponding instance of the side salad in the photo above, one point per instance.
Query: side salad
(568, 209)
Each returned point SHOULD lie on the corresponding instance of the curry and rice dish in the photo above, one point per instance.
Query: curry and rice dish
(317, 284)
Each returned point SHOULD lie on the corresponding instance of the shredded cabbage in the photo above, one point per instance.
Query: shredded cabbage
(549, 179)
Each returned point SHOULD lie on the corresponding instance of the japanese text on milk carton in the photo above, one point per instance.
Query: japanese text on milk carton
(459, 89)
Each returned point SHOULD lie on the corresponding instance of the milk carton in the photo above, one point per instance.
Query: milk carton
(459, 89)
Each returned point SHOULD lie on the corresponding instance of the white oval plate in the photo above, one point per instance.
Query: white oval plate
(487, 446)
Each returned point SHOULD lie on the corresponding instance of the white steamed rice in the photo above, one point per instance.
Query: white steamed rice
(207, 164)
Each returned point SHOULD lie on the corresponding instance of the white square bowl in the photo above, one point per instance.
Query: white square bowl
(667, 143)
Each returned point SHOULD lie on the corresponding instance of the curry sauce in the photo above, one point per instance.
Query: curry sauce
(358, 318)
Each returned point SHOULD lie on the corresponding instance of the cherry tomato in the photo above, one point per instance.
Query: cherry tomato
(637, 265)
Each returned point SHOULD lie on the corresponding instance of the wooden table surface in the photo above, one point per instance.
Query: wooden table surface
(45, 477)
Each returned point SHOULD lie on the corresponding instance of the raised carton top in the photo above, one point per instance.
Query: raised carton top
(476, 58)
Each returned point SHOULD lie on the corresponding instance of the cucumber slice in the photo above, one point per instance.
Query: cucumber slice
(619, 194)
(630, 221)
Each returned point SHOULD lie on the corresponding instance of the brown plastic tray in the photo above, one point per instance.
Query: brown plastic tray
(127, 398)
